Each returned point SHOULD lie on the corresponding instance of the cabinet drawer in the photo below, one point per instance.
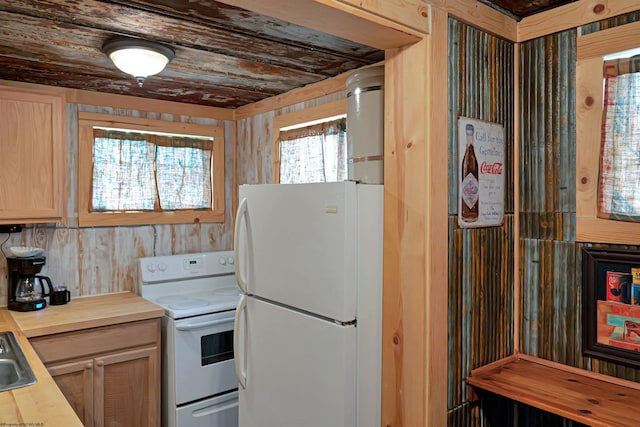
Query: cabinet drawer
(88, 342)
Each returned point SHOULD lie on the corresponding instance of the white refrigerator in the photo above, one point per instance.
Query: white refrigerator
(307, 337)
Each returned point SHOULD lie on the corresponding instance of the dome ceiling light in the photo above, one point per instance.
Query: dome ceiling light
(140, 58)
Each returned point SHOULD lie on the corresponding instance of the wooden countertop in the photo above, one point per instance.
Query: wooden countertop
(40, 404)
(43, 403)
(583, 396)
(87, 312)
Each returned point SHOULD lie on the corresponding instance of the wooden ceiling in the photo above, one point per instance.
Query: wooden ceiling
(224, 56)
(519, 9)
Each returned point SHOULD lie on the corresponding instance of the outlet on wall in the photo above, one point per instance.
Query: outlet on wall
(10, 228)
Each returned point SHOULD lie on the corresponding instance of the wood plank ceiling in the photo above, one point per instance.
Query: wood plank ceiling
(224, 56)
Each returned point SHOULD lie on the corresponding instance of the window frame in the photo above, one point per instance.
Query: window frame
(318, 112)
(87, 218)
(589, 99)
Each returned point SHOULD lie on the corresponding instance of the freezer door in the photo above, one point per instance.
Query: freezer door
(296, 244)
(300, 370)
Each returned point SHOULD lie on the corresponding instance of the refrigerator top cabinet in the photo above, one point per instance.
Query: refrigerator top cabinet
(296, 244)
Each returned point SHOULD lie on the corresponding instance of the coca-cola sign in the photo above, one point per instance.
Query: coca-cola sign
(491, 168)
(481, 162)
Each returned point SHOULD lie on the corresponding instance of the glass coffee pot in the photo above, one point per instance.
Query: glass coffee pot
(32, 288)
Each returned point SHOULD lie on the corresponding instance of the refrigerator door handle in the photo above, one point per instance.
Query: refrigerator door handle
(240, 362)
(240, 217)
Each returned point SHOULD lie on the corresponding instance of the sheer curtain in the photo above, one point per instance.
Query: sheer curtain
(147, 172)
(315, 153)
(619, 186)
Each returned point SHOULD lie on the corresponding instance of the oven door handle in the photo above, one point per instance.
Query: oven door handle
(240, 360)
(194, 326)
(240, 217)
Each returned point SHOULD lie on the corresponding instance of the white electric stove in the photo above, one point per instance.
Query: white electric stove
(199, 295)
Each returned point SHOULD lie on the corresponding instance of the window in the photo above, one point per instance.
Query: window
(592, 223)
(316, 153)
(138, 171)
(311, 145)
(618, 196)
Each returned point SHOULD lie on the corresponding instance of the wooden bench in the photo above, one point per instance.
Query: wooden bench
(576, 394)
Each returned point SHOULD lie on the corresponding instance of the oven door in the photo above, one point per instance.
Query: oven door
(219, 411)
(204, 363)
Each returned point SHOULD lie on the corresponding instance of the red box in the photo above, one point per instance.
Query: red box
(618, 287)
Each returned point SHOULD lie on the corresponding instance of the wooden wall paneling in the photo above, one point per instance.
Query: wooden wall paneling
(403, 341)
(72, 164)
(95, 255)
(571, 15)
(61, 253)
(254, 149)
(101, 260)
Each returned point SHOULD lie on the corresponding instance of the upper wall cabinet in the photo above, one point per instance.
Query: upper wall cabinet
(32, 156)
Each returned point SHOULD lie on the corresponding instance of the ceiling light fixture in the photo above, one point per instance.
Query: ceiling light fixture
(140, 58)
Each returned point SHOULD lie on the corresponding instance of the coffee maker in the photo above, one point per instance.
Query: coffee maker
(27, 289)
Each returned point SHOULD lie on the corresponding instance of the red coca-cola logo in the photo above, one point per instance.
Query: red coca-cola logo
(491, 168)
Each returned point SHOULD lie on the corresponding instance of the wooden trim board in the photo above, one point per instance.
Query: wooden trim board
(572, 15)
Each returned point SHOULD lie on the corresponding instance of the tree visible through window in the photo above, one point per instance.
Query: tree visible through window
(137, 171)
(618, 196)
(316, 153)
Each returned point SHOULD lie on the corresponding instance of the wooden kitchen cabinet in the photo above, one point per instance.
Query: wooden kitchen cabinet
(110, 375)
(32, 164)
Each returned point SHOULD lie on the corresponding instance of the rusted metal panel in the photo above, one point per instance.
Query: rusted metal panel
(480, 260)
(547, 137)
(481, 86)
(225, 56)
(551, 265)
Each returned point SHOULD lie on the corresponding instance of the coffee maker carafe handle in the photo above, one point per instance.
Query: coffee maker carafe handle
(49, 285)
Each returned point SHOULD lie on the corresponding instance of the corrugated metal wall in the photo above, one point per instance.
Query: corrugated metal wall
(480, 260)
(480, 293)
(550, 327)
(551, 282)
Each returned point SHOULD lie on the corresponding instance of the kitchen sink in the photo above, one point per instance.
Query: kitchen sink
(15, 371)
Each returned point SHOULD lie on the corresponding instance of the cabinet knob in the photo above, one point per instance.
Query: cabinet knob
(100, 363)
(89, 366)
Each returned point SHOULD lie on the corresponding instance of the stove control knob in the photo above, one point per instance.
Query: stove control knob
(222, 261)
(230, 260)
(162, 266)
(151, 268)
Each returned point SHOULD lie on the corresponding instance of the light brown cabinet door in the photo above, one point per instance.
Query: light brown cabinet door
(75, 380)
(32, 164)
(127, 389)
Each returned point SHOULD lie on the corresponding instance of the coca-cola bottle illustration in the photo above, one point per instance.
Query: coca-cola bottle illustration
(469, 189)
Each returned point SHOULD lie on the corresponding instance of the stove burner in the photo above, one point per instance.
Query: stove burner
(167, 299)
(188, 303)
